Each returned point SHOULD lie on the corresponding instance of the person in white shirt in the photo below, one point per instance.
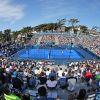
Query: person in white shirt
(48, 72)
(66, 72)
(36, 71)
(8, 70)
(60, 72)
(52, 83)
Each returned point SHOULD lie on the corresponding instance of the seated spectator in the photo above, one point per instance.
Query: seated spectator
(51, 83)
(32, 82)
(63, 81)
(82, 95)
(47, 72)
(25, 72)
(98, 80)
(42, 78)
(71, 97)
(8, 78)
(17, 83)
(9, 96)
(2, 77)
(42, 94)
(88, 75)
(52, 73)
(36, 71)
(60, 72)
(71, 83)
(66, 72)
(1, 87)
(26, 97)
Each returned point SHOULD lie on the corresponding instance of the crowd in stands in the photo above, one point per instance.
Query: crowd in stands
(41, 76)
(33, 40)
(64, 40)
(87, 41)
(9, 48)
(92, 43)
(47, 38)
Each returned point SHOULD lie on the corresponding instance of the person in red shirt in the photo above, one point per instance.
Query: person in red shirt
(88, 75)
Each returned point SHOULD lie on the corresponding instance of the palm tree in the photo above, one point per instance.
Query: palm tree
(60, 23)
(73, 22)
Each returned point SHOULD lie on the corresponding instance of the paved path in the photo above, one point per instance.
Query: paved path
(56, 41)
(39, 40)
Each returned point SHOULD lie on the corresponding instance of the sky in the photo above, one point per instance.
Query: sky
(16, 14)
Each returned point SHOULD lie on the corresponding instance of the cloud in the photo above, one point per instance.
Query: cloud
(10, 11)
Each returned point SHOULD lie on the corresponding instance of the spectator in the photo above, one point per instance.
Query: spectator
(63, 81)
(82, 95)
(47, 72)
(42, 94)
(10, 96)
(60, 72)
(42, 78)
(88, 75)
(17, 83)
(53, 73)
(32, 82)
(51, 83)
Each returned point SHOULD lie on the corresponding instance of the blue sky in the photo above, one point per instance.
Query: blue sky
(16, 14)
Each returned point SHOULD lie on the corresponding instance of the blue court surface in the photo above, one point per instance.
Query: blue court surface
(53, 54)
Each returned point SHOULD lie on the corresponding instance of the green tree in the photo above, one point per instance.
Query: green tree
(15, 34)
(46, 27)
(83, 29)
(25, 31)
(7, 35)
(1, 36)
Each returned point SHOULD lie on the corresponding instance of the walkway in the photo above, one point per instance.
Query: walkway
(56, 40)
(39, 40)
